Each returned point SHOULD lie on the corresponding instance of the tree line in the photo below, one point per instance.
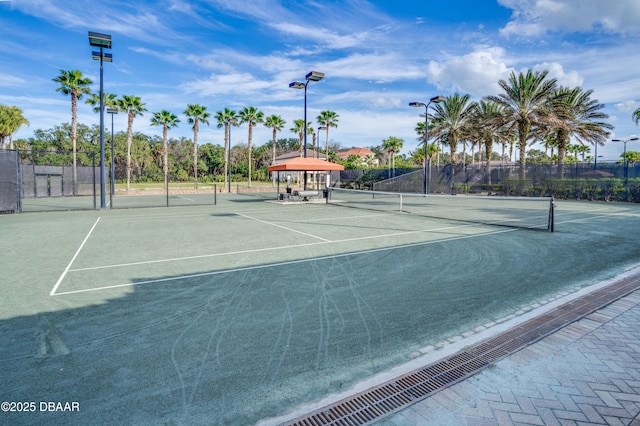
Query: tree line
(532, 108)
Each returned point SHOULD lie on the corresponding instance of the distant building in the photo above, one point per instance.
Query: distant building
(363, 153)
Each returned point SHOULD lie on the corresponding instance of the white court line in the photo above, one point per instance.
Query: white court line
(284, 227)
(130, 217)
(55, 287)
(292, 262)
(307, 245)
(200, 256)
(240, 252)
(335, 218)
(583, 219)
(185, 198)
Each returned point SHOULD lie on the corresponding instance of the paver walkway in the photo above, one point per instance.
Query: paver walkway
(586, 373)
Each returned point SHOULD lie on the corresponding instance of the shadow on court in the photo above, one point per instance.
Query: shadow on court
(247, 344)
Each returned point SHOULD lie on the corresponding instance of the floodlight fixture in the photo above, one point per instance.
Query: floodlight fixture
(438, 99)
(106, 57)
(100, 40)
(314, 76)
(297, 85)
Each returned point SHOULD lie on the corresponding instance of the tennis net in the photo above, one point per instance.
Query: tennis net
(518, 212)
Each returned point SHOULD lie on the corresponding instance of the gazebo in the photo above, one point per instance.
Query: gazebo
(302, 164)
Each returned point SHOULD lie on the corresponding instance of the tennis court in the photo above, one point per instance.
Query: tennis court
(244, 311)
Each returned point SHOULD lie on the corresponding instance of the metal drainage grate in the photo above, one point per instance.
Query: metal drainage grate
(385, 399)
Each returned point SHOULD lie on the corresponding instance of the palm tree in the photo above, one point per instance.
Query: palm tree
(636, 116)
(579, 116)
(549, 141)
(108, 100)
(484, 113)
(298, 128)
(315, 149)
(167, 120)
(133, 106)
(327, 119)
(525, 104)
(11, 119)
(392, 145)
(252, 116)
(196, 114)
(433, 150)
(312, 132)
(224, 118)
(452, 119)
(75, 84)
(369, 160)
(276, 123)
(583, 150)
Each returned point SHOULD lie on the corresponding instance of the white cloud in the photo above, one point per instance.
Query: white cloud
(537, 17)
(373, 67)
(143, 25)
(322, 36)
(627, 106)
(216, 84)
(567, 79)
(385, 102)
(227, 61)
(476, 73)
(8, 80)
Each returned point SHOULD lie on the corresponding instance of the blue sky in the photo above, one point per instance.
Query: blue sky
(377, 56)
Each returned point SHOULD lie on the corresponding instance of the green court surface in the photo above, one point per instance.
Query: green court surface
(240, 312)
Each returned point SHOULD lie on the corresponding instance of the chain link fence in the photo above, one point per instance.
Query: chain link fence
(47, 180)
(580, 181)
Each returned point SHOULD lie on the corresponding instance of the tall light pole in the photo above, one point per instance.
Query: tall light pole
(103, 41)
(112, 111)
(312, 76)
(624, 159)
(231, 121)
(426, 164)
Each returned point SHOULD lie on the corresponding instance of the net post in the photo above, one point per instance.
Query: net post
(215, 194)
(550, 226)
